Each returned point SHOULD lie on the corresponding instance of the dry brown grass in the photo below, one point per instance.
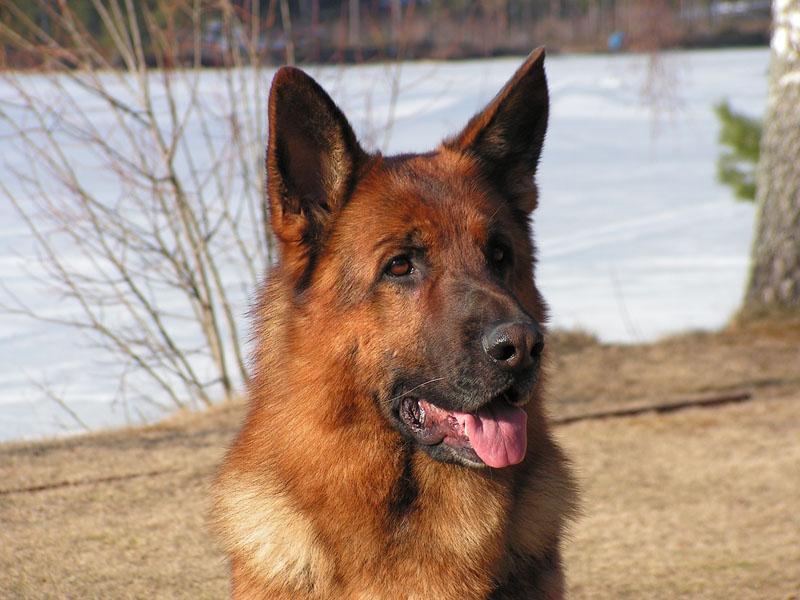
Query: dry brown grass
(131, 537)
(586, 376)
(703, 503)
(699, 504)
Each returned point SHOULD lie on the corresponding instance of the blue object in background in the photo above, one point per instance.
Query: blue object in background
(616, 41)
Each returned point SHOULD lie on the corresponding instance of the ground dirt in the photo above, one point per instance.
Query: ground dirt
(702, 502)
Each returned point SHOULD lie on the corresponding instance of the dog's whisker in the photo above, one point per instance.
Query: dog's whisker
(494, 214)
(407, 392)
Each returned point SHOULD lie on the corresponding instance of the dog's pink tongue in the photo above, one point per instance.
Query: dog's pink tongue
(497, 433)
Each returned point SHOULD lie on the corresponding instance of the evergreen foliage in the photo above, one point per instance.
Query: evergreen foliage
(737, 166)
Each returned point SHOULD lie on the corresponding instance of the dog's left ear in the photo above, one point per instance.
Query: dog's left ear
(507, 136)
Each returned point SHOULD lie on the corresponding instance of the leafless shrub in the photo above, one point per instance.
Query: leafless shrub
(142, 182)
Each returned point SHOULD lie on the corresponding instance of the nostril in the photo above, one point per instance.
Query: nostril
(503, 351)
(514, 346)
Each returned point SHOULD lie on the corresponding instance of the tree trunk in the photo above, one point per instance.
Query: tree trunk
(774, 286)
(286, 19)
(355, 26)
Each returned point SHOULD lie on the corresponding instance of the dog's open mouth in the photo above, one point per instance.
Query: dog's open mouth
(495, 434)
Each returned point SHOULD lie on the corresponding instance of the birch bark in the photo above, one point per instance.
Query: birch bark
(774, 283)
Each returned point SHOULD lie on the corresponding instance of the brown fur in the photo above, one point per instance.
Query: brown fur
(321, 496)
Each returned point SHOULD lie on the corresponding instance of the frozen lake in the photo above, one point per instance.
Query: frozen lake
(636, 239)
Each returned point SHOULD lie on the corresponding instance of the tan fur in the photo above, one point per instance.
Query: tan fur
(320, 496)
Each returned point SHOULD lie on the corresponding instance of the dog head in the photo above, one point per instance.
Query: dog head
(418, 267)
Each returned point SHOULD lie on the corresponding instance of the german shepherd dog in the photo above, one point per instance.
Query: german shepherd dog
(396, 445)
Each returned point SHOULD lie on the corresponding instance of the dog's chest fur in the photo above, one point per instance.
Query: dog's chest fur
(458, 536)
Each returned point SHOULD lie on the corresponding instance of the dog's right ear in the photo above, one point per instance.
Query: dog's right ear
(312, 157)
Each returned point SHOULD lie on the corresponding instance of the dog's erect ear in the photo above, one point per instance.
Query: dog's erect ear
(312, 157)
(508, 134)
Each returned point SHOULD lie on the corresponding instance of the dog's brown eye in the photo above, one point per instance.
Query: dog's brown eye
(399, 266)
(498, 254)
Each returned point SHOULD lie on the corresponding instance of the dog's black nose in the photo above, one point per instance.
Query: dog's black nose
(514, 346)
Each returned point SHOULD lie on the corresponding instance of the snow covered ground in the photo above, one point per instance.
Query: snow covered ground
(636, 239)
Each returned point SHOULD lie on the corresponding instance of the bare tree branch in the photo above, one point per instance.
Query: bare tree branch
(148, 269)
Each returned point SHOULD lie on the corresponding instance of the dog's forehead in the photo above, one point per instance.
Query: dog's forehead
(439, 194)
